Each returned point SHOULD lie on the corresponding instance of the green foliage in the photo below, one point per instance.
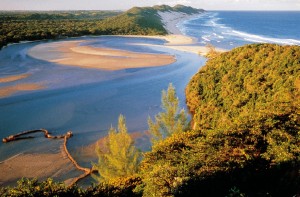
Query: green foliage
(116, 187)
(235, 192)
(55, 15)
(31, 187)
(250, 94)
(29, 26)
(49, 188)
(212, 52)
(170, 164)
(119, 157)
(186, 9)
(171, 120)
(246, 119)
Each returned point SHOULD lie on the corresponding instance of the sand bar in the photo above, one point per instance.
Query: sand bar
(72, 54)
(9, 90)
(40, 166)
(13, 78)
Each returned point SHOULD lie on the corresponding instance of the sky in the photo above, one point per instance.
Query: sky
(127, 4)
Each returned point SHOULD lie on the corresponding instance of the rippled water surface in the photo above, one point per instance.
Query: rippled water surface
(86, 101)
(229, 29)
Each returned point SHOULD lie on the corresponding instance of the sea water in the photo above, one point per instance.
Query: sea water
(230, 29)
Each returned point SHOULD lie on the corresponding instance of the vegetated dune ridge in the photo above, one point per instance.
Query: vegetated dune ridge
(245, 138)
(19, 26)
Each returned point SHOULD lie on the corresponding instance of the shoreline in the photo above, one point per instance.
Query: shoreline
(70, 53)
(176, 39)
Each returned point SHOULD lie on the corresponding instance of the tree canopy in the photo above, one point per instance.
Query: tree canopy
(251, 92)
(246, 129)
(118, 158)
(29, 26)
(171, 120)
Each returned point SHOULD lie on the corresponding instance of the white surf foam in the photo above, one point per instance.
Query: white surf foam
(263, 39)
(220, 31)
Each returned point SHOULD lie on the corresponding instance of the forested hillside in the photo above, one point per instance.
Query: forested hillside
(246, 108)
(23, 26)
(245, 139)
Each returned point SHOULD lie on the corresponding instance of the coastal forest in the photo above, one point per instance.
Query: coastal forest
(243, 139)
(30, 26)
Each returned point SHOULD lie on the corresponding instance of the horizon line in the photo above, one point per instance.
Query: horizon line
(44, 10)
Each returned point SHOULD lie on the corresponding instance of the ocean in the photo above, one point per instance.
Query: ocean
(230, 29)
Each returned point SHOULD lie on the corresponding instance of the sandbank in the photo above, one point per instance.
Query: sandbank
(72, 54)
(9, 90)
(13, 78)
(200, 50)
(39, 166)
(172, 39)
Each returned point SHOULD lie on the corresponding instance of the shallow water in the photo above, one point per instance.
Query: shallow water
(86, 101)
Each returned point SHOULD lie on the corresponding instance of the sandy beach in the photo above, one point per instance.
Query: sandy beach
(171, 19)
(175, 39)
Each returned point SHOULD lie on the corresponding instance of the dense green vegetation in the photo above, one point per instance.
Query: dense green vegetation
(171, 120)
(118, 157)
(246, 104)
(56, 15)
(49, 188)
(252, 94)
(245, 139)
(29, 26)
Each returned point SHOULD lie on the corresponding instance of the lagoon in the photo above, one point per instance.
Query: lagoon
(86, 101)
